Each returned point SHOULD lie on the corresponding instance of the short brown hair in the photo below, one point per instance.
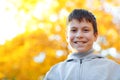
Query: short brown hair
(81, 14)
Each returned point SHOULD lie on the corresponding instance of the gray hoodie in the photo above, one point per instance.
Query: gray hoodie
(87, 66)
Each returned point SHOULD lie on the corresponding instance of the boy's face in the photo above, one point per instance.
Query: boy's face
(80, 35)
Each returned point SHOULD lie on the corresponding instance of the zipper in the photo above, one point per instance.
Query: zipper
(80, 61)
(80, 72)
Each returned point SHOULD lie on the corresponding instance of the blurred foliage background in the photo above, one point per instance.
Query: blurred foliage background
(32, 34)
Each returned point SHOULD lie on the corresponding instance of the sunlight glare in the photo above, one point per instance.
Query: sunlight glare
(59, 53)
(40, 58)
(8, 25)
(53, 18)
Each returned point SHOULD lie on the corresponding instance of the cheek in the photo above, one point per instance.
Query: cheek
(90, 39)
(71, 37)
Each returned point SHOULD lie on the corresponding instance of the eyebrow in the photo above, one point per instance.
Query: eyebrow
(73, 27)
(82, 27)
(86, 27)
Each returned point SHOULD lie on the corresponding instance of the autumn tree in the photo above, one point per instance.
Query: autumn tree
(29, 55)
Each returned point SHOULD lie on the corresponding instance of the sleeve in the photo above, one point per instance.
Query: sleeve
(52, 74)
(117, 72)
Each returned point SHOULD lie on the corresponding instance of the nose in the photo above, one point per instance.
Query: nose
(79, 34)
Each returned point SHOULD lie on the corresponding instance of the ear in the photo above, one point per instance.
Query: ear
(66, 33)
(95, 35)
(66, 37)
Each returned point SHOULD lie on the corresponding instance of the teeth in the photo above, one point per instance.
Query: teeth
(80, 42)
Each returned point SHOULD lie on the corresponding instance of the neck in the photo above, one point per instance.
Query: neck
(82, 54)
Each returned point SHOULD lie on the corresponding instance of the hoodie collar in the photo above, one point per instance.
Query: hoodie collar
(86, 55)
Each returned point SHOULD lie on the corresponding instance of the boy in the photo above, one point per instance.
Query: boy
(82, 64)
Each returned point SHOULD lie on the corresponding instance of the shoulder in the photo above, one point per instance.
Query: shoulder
(53, 73)
(106, 63)
(114, 67)
(57, 67)
(111, 63)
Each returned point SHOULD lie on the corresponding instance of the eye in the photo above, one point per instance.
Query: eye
(86, 30)
(73, 30)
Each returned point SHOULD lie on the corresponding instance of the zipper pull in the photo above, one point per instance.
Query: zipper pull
(80, 61)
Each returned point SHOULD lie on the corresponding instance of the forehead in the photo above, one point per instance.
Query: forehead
(77, 23)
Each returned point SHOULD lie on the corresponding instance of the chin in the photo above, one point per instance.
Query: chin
(79, 50)
(82, 49)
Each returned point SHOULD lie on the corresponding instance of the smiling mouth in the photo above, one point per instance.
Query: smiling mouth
(80, 42)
